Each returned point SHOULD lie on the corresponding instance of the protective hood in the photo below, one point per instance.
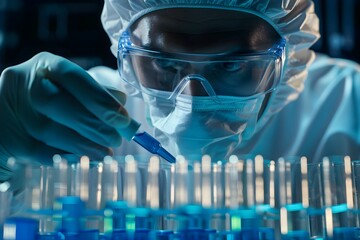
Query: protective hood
(294, 20)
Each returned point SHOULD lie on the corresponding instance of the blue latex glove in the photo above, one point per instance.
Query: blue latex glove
(49, 105)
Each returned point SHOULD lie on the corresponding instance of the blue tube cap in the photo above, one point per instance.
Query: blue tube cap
(20, 228)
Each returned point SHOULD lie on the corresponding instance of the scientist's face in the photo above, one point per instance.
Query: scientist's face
(201, 31)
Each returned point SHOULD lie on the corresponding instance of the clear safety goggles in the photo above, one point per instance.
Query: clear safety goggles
(240, 75)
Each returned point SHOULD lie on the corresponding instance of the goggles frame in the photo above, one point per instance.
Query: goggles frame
(275, 53)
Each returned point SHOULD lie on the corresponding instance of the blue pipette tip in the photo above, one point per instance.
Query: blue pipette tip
(152, 145)
(166, 155)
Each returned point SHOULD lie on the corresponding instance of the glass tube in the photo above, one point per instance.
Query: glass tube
(109, 181)
(206, 183)
(293, 195)
(356, 190)
(60, 171)
(181, 182)
(131, 183)
(5, 201)
(337, 188)
(152, 188)
(315, 210)
(231, 182)
(217, 220)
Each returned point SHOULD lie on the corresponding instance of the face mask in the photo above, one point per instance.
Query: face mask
(193, 126)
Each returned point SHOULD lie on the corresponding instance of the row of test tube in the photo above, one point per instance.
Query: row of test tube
(293, 197)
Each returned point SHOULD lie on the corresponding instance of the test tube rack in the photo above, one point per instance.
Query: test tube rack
(242, 198)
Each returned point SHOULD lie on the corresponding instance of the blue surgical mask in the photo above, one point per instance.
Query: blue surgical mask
(193, 125)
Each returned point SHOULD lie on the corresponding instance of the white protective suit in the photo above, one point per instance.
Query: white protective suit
(314, 112)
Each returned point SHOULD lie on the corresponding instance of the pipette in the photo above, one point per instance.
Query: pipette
(141, 137)
(152, 145)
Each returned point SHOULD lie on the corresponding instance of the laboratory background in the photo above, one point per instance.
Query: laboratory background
(245, 199)
(73, 29)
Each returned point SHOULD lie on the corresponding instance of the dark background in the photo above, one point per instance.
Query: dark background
(72, 28)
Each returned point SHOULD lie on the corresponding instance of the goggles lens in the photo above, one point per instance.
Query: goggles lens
(225, 75)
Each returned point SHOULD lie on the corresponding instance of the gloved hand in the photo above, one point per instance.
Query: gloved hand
(49, 105)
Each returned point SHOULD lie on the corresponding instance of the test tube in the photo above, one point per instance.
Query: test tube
(231, 183)
(336, 193)
(266, 213)
(334, 182)
(84, 178)
(142, 175)
(152, 189)
(102, 188)
(18, 169)
(234, 191)
(5, 201)
(74, 173)
(181, 181)
(259, 180)
(38, 190)
(206, 194)
(218, 186)
(294, 195)
(60, 170)
(109, 190)
(86, 181)
(46, 223)
(241, 177)
(250, 183)
(33, 199)
(164, 184)
(272, 184)
(170, 218)
(131, 183)
(281, 183)
(315, 210)
(349, 188)
(356, 190)
(197, 183)
(95, 200)
(250, 220)
(349, 191)
(172, 186)
(217, 218)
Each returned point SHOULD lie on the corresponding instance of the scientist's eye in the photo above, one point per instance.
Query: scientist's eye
(232, 66)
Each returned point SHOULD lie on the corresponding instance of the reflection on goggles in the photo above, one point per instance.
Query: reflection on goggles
(220, 74)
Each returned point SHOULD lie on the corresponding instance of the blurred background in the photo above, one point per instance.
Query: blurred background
(72, 28)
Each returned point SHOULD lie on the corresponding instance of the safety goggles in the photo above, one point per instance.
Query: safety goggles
(241, 75)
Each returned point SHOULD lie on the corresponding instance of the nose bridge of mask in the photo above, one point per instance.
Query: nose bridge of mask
(186, 82)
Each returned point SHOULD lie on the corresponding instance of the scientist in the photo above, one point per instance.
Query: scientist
(217, 77)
